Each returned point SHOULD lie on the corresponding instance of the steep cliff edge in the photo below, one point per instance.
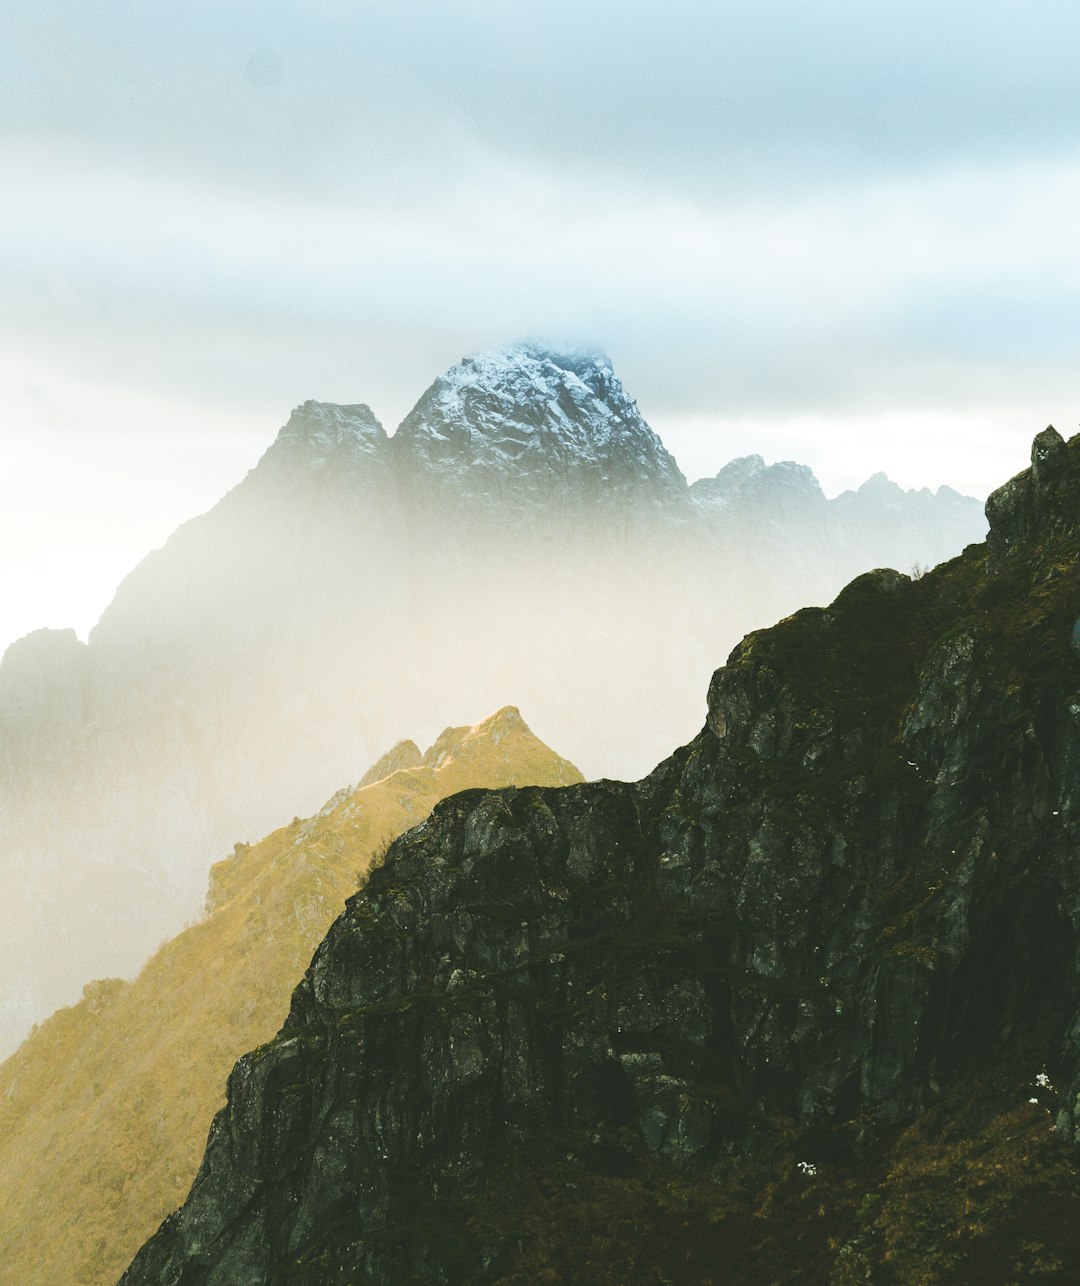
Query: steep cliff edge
(799, 1006)
(104, 1108)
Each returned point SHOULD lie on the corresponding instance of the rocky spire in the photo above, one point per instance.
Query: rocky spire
(1033, 498)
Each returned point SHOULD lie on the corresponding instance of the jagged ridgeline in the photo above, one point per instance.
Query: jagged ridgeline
(524, 536)
(104, 1109)
(801, 1006)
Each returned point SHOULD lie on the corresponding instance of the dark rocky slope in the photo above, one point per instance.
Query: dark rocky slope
(800, 1006)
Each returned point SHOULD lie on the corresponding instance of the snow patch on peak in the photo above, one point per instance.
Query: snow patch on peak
(521, 375)
(527, 422)
(497, 362)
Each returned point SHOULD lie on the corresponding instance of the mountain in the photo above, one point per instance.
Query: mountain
(523, 535)
(799, 1006)
(778, 516)
(104, 1109)
(522, 431)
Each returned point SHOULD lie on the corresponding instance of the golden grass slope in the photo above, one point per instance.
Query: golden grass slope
(104, 1109)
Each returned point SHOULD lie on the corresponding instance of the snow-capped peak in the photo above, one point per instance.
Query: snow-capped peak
(523, 375)
(531, 421)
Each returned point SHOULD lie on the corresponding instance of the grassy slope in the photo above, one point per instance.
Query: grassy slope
(104, 1109)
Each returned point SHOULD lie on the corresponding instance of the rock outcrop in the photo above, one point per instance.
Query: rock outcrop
(801, 1005)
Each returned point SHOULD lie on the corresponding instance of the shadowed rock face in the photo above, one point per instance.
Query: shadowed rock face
(849, 904)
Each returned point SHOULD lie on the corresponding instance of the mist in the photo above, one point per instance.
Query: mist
(524, 539)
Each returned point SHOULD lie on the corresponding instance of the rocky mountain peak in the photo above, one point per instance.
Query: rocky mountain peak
(323, 439)
(739, 470)
(326, 452)
(406, 754)
(41, 672)
(464, 742)
(770, 489)
(1040, 500)
(530, 373)
(526, 422)
(880, 484)
(39, 648)
(324, 427)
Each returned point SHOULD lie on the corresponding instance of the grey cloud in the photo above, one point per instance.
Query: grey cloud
(695, 96)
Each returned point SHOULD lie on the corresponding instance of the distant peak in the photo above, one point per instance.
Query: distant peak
(508, 719)
(528, 421)
(41, 648)
(453, 741)
(742, 465)
(881, 483)
(530, 370)
(566, 357)
(748, 479)
(325, 425)
(328, 440)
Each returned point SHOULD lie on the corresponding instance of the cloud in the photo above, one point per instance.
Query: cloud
(880, 291)
(695, 98)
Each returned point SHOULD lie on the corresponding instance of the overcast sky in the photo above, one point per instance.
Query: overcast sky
(844, 233)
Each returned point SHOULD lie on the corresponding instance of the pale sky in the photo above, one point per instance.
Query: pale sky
(843, 233)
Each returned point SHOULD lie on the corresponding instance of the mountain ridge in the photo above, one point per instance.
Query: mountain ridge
(734, 1017)
(104, 1108)
(337, 596)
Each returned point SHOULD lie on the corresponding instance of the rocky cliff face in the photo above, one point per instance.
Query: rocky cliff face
(524, 536)
(104, 1108)
(800, 1005)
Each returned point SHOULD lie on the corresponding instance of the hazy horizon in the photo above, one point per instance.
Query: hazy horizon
(68, 587)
